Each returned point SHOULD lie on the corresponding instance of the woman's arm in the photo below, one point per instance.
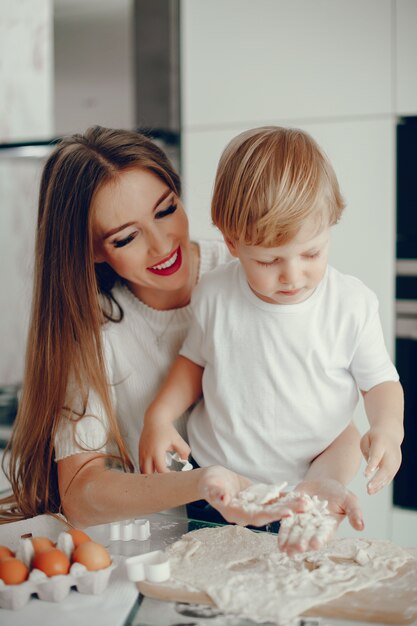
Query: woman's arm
(340, 460)
(92, 494)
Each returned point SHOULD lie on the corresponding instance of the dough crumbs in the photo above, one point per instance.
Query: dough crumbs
(245, 575)
(315, 521)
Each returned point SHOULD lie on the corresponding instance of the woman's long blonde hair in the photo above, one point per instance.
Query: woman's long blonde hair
(70, 302)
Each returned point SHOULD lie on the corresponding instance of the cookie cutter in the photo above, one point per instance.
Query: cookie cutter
(126, 530)
(176, 463)
(153, 567)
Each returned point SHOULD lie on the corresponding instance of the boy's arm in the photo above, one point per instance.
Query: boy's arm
(381, 445)
(180, 390)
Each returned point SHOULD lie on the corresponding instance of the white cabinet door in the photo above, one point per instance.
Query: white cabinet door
(246, 62)
(406, 57)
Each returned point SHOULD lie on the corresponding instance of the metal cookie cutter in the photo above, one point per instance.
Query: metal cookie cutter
(176, 463)
(153, 567)
(130, 529)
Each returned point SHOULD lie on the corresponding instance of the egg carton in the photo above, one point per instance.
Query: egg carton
(56, 588)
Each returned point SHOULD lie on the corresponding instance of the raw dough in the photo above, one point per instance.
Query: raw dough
(316, 521)
(245, 574)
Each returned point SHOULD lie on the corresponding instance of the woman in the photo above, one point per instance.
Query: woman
(114, 273)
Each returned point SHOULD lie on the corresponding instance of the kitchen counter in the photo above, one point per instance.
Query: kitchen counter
(120, 604)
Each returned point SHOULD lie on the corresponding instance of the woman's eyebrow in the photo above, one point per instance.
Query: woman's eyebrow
(162, 198)
(117, 229)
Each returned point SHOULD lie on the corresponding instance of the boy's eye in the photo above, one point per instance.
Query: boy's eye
(168, 211)
(314, 255)
(264, 264)
(120, 243)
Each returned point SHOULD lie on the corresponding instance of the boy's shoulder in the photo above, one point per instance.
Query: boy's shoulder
(350, 290)
(216, 280)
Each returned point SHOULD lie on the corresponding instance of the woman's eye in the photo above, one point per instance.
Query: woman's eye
(120, 243)
(168, 211)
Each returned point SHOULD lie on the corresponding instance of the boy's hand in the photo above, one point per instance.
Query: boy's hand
(220, 487)
(382, 451)
(158, 437)
(341, 503)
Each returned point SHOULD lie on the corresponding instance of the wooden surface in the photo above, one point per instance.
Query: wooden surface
(391, 601)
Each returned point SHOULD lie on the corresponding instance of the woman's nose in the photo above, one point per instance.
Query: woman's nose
(158, 243)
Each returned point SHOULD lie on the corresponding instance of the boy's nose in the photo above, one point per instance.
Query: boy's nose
(289, 276)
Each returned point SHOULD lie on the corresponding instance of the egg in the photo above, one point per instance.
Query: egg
(78, 536)
(13, 571)
(52, 562)
(5, 552)
(40, 544)
(93, 555)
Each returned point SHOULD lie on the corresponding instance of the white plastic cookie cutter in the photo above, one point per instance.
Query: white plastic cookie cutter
(138, 529)
(176, 463)
(153, 567)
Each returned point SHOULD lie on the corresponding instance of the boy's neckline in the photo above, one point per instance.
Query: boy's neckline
(280, 308)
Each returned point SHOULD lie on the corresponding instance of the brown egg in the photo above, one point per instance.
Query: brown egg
(13, 571)
(78, 536)
(93, 555)
(53, 562)
(5, 552)
(40, 544)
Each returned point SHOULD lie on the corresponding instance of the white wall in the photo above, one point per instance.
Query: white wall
(337, 69)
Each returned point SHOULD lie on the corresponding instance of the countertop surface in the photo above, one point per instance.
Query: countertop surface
(120, 604)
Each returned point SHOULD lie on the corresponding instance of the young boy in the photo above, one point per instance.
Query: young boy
(280, 343)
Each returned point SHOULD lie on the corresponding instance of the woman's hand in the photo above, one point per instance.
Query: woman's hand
(158, 437)
(341, 503)
(221, 487)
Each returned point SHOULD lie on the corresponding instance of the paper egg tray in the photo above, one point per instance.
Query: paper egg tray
(56, 588)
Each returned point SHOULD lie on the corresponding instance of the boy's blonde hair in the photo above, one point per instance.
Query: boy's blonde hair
(268, 182)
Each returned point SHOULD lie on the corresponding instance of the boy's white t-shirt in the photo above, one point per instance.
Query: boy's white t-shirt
(280, 382)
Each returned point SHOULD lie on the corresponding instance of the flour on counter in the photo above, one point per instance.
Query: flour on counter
(244, 573)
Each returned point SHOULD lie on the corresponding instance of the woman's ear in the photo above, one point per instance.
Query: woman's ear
(98, 255)
(232, 246)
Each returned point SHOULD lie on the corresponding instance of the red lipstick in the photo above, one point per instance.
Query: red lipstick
(170, 268)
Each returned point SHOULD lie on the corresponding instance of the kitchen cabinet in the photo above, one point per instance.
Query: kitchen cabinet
(406, 56)
(249, 62)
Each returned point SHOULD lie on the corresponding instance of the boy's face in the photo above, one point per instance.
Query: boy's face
(286, 274)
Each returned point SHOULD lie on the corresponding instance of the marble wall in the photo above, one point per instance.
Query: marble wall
(26, 82)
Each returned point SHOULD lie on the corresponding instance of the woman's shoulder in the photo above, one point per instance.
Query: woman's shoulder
(213, 252)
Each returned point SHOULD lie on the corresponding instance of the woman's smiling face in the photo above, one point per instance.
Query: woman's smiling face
(141, 230)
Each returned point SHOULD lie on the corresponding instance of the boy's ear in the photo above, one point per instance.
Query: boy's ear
(232, 246)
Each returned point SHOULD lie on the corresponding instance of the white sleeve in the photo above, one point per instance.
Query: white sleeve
(371, 363)
(88, 432)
